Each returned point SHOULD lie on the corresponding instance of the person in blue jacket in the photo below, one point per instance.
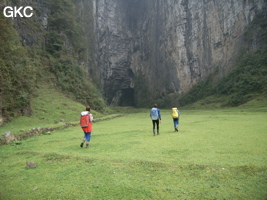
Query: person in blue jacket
(156, 118)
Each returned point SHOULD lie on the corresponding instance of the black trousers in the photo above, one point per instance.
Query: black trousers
(154, 122)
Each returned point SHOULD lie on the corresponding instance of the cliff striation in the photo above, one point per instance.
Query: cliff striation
(148, 49)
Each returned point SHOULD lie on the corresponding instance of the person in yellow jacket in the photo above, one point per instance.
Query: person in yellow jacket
(175, 117)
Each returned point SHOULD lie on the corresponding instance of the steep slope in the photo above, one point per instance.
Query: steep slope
(54, 46)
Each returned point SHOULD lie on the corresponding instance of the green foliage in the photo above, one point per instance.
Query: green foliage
(59, 55)
(164, 102)
(198, 91)
(73, 79)
(66, 42)
(54, 42)
(247, 78)
(64, 25)
(17, 74)
(49, 106)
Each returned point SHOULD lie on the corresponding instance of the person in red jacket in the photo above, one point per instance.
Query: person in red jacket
(88, 129)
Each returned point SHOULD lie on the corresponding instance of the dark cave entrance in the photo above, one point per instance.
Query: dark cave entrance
(127, 97)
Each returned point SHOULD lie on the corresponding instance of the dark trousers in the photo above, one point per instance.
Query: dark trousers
(154, 122)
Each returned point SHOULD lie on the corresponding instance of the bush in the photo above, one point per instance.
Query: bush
(249, 76)
(17, 74)
(66, 44)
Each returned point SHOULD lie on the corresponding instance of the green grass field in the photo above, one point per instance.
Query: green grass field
(217, 154)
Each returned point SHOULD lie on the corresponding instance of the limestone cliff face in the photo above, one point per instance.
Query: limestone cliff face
(152, 48)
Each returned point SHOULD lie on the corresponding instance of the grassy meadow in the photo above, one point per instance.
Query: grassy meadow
(217, 154)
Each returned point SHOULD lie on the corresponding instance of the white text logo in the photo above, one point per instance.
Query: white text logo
(18, 12)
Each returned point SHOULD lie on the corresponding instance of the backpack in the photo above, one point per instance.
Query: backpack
(175, 113)
(154, 114)
(85, 119)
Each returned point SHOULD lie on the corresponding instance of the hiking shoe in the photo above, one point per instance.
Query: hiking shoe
(81, 145)
(87, 146)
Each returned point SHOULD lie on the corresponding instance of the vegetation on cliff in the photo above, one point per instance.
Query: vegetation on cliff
(61, 56)
(246, 80)
(17, 73)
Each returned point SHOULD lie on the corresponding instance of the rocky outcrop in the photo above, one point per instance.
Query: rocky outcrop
(113, 42)
(149, 49)
(31, 165)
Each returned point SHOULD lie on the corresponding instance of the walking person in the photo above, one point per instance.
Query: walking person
(156, 118)
(175, 117)
(86, 124)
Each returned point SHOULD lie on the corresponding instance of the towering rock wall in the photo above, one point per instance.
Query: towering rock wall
(146, 49)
